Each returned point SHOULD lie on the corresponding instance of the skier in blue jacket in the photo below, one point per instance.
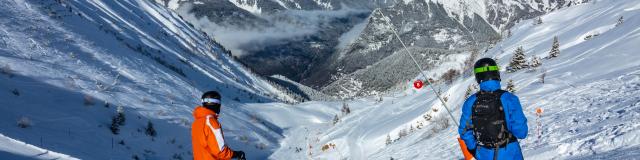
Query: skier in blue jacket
(492, 120)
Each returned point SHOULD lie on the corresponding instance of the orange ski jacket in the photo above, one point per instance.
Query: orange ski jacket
(207, 137)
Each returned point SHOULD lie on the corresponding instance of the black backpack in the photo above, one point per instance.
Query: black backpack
(489, 125)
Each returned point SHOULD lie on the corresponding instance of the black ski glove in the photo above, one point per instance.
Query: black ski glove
(239, 155)
(473, 151)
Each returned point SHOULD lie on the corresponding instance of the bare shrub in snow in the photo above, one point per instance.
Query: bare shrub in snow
(24, 122)
(591, 36)
(620, 21)
(439, 123)
(427, 117)
(15, 92)
(325, 147)
(543, 75)
(261, 146)
(511, 87)
(535, 62)
(345, 109)
(388, 140)
(150, 130)
(88, 101)
(6, 70)
(450, 75)
(244, 139)
(403, 132)
(469, 62)
(71, 82)
(473, 88)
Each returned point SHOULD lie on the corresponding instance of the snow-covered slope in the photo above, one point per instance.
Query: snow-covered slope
(589, 99)
(68, 65)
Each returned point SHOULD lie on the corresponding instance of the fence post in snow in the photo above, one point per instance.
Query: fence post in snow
(538, 124)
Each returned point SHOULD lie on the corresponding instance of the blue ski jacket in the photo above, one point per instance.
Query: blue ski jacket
(515, 119)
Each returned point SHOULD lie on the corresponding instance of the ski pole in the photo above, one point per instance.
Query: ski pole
(418, 66)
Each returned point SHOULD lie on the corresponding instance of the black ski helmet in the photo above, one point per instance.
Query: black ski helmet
(486, 69)
(212, 100)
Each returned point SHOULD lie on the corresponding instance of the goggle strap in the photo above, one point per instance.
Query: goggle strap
(486, 69)
(210, 100)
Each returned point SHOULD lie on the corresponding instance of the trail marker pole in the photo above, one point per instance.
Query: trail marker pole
(539, 112)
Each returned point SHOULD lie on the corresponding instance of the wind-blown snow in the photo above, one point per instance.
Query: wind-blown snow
(23, 150)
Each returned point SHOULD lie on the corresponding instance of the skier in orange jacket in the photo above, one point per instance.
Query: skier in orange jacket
(206, 132)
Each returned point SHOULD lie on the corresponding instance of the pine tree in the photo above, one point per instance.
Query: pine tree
(150, 130)
(518, 60)
(115, 128)
(120, 118)
(511, 87)
(555, 48)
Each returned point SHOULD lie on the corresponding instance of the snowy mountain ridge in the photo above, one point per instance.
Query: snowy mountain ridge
(454, 26)
(307, 42)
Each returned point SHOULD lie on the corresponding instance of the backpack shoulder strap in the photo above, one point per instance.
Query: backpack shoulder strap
(499, 92)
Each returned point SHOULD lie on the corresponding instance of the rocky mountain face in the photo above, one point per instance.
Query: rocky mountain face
(419, 24)
(327, 44)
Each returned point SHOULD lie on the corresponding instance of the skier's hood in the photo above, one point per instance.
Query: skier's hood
(201, 112)
(490, 86)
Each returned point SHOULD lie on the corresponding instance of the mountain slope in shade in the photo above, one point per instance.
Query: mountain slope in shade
(69, 66)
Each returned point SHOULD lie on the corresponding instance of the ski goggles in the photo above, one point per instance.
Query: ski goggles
(210, 100)
(486, 69)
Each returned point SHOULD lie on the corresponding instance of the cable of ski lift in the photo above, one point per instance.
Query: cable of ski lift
(418, 67)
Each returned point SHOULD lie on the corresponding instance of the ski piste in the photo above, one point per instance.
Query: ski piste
(68, 68)
(393, 28)
(463, 146)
